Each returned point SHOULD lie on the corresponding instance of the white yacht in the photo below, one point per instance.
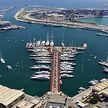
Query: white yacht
(65, 68)
(62, 44)
(2, 60)
(40, 77)
(104, 63)
(43, 72)
(40, 67)
(52, 43)
(40, 55)
(41, 58)
(68, 63)
(9, 67)
(106, 69)
(38, 43)
(85, 45)
(67, 72)
(66, 59)
(104, 79)
(43, 62)
(82, 88)
(67, 55)
(43, 43)
(47, 43)
(93, 82)
(30, 45)
(66, 76)
(40, 50)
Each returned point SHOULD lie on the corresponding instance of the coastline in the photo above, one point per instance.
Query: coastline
(19, 16)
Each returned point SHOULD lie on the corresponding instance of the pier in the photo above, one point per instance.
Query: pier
(55, 73)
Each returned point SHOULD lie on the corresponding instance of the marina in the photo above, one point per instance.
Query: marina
(64, 59)
(16, 44)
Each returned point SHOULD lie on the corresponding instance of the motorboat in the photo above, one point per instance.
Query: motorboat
(106, 69)
(104, 79)
(85, 45)
(43, 72)
(81, 88)
(67, 55)
(40, 50)
(43, 61)
(67, 72)
(68, 63)
(64, 69)
(37, 67)
(66, 59)
(104, 63)
(62, 44)
(93, 82)
(40, 77)
(2, 60)
(30, 45)
(9, 67)
(66, 76)
(40, 55)
(41, 58)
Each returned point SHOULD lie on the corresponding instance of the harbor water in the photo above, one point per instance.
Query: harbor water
(12, 49)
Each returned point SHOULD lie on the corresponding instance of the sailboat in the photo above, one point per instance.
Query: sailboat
(47, 41)
(52, 42)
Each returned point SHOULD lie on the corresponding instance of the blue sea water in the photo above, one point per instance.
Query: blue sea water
(12, 48)
(103, 21)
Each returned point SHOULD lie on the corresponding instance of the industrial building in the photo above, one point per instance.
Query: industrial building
(102, 88)
(9, 97)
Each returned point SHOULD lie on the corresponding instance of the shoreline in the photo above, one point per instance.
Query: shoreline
(19, 16)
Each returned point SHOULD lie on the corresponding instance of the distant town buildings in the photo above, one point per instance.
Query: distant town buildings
(67, 14)
(99, 13)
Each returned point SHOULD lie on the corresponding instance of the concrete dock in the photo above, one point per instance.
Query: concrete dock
(55, 73)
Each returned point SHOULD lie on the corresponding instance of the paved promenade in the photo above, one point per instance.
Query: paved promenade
(55, 74)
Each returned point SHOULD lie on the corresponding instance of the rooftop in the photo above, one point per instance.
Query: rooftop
(7, 96)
